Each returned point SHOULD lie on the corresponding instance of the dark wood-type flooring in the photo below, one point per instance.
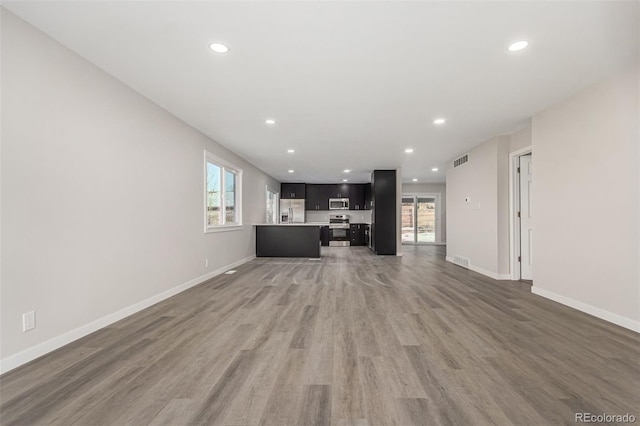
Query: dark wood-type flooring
(352, 339)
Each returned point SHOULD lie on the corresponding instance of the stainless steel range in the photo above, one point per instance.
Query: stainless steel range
(339, 230)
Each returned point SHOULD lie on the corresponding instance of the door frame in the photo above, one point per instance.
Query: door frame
(514, 223)
(436, 196)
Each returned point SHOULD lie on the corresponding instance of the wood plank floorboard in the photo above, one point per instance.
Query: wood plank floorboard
(351, 340)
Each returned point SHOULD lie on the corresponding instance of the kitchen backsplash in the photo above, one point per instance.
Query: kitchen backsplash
(355, 216)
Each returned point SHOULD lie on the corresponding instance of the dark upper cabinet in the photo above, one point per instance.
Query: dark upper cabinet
(289, 191)
(317, 197)
(367, 196)
(356, 197)
(357, 234)
(339, 190)
(383, 213)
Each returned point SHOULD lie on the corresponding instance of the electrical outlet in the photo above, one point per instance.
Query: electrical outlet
(206, 263)
(28, 321)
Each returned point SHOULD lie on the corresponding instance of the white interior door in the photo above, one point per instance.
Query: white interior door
(526, 225)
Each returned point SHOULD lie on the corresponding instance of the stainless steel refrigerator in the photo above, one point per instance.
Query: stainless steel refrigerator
(291, 211)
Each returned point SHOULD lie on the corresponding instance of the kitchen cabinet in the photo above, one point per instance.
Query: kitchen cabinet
(367, 196)
(339, 190)
(292, 191)
(317, 197)
(357, 234)
(383, 212)
(367, 234)
(324, 236)
(356, 197)
(287, 241)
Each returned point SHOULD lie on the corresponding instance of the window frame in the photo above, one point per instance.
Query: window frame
(225, 166)
(276, 207)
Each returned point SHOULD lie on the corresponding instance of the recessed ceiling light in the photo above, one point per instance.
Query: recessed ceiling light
(435, 169)
(518, 45)
(408, 150)
(345, 180)
(439, 121)
(270, 121)
(290, 171)
(414, 179)
(291, 151)
(347, 171)
(219, 47)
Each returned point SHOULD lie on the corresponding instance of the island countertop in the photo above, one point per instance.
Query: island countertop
(293, 224)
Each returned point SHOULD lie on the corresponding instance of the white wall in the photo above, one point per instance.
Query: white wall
(520, 139)
(102, 196)
(586, 198)
(503, 206)
(479, 230)
(399, 211)
(472, 229)
(432, 188)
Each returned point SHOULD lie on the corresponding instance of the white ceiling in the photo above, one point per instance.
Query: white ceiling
(351, 84)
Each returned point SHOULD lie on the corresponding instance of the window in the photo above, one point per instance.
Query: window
(223, 190)
(272, 206)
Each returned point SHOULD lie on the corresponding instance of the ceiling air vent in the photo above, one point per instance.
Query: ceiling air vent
(460, 161)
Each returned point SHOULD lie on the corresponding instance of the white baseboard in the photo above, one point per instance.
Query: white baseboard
(482, 271)
(50, 345)
(490, 274)
(589, 309)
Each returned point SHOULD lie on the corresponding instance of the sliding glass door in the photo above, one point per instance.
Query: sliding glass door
(408, 219)
(420, 219)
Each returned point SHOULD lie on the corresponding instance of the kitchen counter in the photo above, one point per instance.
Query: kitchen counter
(293, 224)
(288, 240)
(306, 224)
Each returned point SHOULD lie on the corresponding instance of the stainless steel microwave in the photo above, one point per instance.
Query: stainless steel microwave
(338, 204)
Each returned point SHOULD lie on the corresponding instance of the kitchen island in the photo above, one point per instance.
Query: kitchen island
(288, 240)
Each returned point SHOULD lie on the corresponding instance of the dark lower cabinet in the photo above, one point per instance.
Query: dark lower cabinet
(357, 234)
(287, 241)
(383, 212)
(324, 236)
(367, 234)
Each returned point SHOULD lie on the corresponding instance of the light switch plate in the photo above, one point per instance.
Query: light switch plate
(28, 321)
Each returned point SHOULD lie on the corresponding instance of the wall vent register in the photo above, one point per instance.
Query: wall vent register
(461, 261)
(460, 161)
